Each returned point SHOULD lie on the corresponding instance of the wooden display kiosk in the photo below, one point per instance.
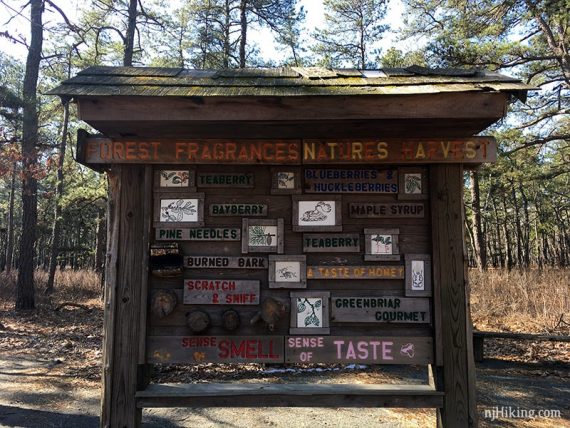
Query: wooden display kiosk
(287, 216)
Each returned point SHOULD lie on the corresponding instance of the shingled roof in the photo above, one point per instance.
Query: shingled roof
(283, 82)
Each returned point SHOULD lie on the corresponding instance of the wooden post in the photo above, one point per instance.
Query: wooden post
(458, 369)
(128, 228)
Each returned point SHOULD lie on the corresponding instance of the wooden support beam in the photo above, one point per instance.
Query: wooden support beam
(467, 105)
(127, 237)
(289, 395)
(458, 369)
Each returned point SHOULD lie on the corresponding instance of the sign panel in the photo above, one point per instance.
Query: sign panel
(351, 181)
(223, 262)
(94, 150)
(233, 210)
(358, 349)
(355, 272)
(215, 349)
(221, 292)
(386, 210)
(221, 179)
(380, 310)
(331, 243)
(474, 150)
(198, 234)
(347, 151)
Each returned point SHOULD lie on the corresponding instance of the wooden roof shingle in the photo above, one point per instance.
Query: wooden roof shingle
(102, 81)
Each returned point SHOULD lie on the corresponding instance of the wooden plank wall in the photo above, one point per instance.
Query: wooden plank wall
(415, 237)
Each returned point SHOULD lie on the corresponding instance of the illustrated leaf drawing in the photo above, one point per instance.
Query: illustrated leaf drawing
(259, 236)
(413, 184)
(312, 318)
(386, 240)
(176, 210)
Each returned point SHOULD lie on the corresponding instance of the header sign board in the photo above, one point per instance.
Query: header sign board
(473, 150)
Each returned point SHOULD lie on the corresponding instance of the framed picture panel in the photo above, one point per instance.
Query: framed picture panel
(179, 210)
(412, 183)
(381, 244)
(287, 271)
(310, 312)
(285, 181)
(418, 275)
(262, 235)
(174, 180)
(315, 214)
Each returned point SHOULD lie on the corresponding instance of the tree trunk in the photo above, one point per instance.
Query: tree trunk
(10, 237)
(100, 246)
(130, 35)
(25, 292)
(56, 228)
(526, 231)
(243, 36)
(508, 245)
(498, 241)
(479, 237)
(226, 59)
(518, 226)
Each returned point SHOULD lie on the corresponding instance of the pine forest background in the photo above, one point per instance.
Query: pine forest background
(52, 210)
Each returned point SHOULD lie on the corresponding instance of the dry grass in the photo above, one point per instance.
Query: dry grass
(81, 286)
(526, 301)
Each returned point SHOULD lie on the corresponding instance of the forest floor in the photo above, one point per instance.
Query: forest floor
(50, 364)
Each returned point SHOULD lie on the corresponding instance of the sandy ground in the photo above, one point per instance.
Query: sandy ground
(34, 393)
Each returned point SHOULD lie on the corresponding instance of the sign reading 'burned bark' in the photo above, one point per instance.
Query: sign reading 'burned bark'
(221, 292)
(215, 349)
(223, 262)
(380, 310)
(199, 234)
(359, 349)
(355, 272)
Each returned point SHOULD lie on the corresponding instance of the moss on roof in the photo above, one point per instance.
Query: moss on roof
(102, 81)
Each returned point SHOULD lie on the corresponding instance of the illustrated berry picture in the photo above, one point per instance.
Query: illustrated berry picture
(309, 312)
(285, 180)
(382, 244)
(174, 178)
(310, 213)
(170, 209)
(179, 210)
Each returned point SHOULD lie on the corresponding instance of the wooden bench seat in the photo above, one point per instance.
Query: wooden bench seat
(288, 395)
